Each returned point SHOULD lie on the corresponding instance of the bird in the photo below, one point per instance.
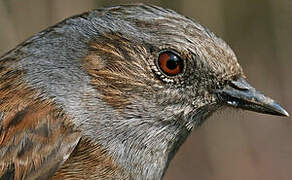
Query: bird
(113, 93)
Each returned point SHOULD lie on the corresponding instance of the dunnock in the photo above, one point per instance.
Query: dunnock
(113, 93)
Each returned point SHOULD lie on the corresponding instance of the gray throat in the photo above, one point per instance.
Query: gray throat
(137, 141)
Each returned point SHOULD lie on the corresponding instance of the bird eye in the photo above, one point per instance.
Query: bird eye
(170, 63)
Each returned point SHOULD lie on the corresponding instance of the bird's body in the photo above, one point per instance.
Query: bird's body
(93, 98)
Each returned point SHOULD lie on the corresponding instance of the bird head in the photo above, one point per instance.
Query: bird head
(155, 60)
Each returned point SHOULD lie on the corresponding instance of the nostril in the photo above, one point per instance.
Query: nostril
(240, 84)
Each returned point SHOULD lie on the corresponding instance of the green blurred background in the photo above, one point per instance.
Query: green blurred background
(230, 145)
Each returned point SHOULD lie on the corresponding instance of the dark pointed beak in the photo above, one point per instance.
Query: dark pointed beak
(240, 94)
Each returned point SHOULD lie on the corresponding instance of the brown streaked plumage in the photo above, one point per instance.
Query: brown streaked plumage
(88, 98)
(97, 162)
(36, 137)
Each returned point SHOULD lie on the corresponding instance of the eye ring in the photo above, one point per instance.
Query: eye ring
(170, 63)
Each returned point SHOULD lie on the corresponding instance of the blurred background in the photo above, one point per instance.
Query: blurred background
(230, 145)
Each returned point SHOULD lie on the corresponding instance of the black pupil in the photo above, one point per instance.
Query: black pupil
(172, 62)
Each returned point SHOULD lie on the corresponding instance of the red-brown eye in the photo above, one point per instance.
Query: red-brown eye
(170, 63)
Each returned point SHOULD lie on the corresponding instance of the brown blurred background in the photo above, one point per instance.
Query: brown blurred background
(231, 145)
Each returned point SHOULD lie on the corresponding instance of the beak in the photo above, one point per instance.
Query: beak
(240, 94)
